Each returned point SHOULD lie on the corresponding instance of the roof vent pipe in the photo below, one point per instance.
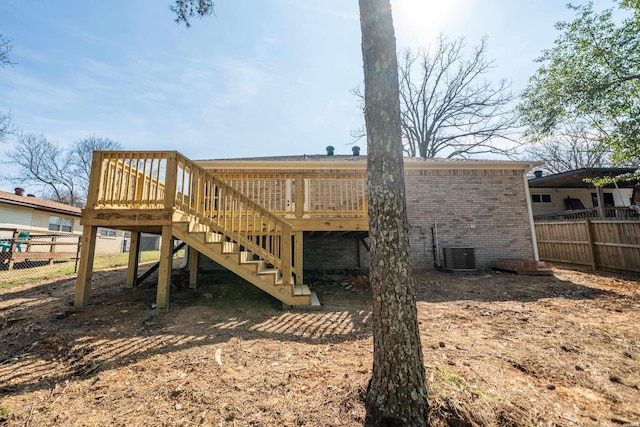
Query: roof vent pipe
(537, 174)
(19, 191)
(330, 150)
(356, 150)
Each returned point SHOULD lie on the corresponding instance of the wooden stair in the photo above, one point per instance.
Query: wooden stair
(243, 263)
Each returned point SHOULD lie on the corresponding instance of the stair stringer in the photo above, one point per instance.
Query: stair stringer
(248, 271)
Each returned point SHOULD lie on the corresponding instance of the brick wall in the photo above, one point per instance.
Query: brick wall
(332, 251)
(481, 209)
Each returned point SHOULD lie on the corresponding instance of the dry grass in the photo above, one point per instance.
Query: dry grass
(500, 350)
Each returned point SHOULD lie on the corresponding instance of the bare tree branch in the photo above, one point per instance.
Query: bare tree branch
(42, 162)
(62, 174)
(570, 148)
(80, 156)
(448, 110)
(5, 118)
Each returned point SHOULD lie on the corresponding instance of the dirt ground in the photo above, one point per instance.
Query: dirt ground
(500, 349)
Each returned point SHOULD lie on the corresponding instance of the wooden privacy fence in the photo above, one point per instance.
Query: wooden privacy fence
(599, 243)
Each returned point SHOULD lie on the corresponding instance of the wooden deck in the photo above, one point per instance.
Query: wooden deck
(252, 222)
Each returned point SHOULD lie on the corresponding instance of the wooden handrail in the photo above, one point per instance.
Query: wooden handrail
(232, 214)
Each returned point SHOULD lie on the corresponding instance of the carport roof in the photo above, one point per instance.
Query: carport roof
(575, 178)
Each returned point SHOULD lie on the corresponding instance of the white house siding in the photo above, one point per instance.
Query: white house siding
(14, 217)
(558, 195)
(40, 221)
(109, 245)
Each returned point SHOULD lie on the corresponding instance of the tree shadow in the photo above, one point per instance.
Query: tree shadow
(47, 341)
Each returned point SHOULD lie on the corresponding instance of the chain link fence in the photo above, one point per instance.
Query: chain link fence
(28, 258)
(35, 257)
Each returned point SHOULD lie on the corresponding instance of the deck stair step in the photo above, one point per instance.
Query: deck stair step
(301, 290)
(230, 248)
(245, 264)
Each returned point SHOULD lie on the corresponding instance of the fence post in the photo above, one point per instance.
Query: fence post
(592, 246)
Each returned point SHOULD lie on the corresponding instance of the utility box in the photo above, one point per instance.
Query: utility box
(459, 259)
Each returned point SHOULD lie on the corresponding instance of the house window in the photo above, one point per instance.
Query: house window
(108, 232)
(541, 198)
(57, 223)
(606, 197)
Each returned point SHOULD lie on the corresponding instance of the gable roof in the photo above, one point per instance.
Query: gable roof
(575, 178)
(37, 203)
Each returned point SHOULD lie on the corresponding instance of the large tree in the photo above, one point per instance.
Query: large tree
(397, 394)
(63, 174)
(5, 61)
(591, 74)
(448, 108)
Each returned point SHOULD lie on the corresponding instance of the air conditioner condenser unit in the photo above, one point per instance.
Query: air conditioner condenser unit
(459, 259)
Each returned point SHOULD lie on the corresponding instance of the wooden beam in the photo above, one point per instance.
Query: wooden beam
(85, 268)
(298, 261)
(286, 256)
(123, 218)
(164, 275)
(193, 267)
(134, 259)
(155, 266)
(329, 224)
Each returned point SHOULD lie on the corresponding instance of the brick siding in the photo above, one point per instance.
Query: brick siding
(481, 209)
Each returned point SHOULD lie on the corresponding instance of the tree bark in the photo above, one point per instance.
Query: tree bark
(397, 393)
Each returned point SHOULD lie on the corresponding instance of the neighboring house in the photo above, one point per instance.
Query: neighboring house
(270, 219)
(38, 216)
(46, 217)
(566, 195)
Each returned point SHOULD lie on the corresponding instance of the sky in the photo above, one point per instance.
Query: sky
(260, 78)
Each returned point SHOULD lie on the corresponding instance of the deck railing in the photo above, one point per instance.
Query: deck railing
(304, 194)
(618, 212)
(168, 180)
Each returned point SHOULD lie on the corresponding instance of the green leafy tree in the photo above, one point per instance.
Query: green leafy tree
(591, 77)
(397, 394)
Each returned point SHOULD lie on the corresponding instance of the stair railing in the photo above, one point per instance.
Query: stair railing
(234, 215)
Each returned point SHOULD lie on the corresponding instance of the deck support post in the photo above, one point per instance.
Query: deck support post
(134, 259)
(164, 274)
(85, 268)
(298, 237)
(193, 267)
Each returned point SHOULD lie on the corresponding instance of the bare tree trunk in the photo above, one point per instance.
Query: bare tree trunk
(397, 393)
